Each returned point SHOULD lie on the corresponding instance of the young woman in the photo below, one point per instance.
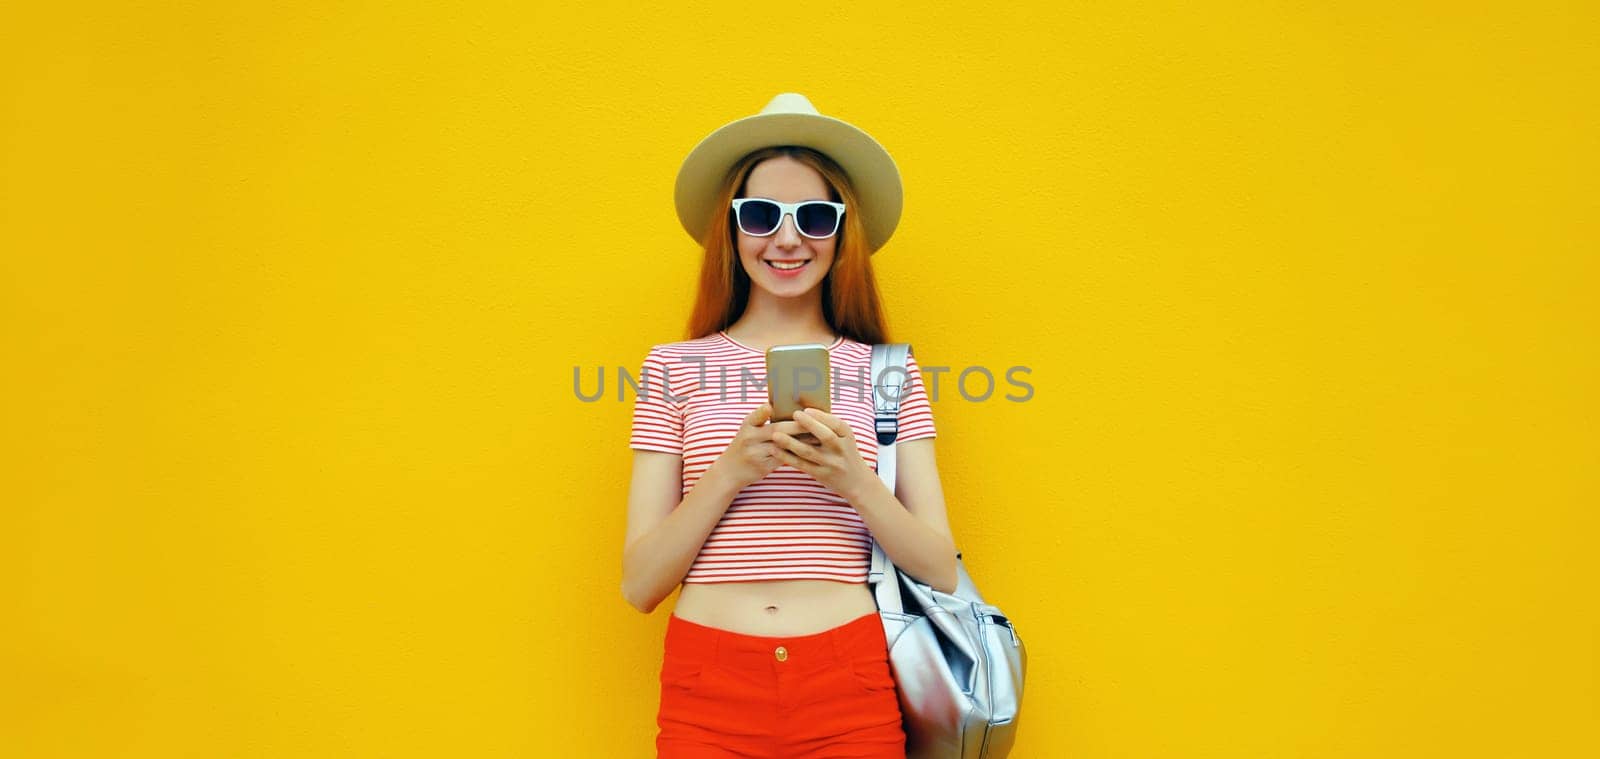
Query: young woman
(775, 648)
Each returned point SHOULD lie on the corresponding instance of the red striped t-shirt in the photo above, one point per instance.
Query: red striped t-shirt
(786, 525)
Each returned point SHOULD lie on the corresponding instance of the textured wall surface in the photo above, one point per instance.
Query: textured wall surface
(292, 295)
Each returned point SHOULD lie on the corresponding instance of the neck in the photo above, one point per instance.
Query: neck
(770, 319)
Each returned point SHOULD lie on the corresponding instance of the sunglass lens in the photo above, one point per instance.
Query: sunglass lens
(758, 217)
(816, 219)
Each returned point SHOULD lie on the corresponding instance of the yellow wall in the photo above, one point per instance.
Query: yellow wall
(291, 297)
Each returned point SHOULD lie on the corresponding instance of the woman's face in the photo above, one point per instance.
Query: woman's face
(784, 179)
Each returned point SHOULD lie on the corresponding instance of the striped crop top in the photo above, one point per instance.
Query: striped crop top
(786, 525)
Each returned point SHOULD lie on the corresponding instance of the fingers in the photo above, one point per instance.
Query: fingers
(799, 443)
(788, 427)
(824, 425)
(784, 443)
(836, 423)
(792, 460)
(795, 430)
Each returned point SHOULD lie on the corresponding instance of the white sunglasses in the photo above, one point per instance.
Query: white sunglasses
(760, 217)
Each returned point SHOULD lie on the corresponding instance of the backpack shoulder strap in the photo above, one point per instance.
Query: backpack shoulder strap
(888, 380)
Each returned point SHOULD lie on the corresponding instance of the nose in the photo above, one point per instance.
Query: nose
(787, 235)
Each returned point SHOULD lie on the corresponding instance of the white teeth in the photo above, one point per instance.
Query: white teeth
(789, 266)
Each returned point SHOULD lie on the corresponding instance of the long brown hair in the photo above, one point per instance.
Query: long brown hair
(850, 301)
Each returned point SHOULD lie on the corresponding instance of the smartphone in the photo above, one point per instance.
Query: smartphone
(797, 377)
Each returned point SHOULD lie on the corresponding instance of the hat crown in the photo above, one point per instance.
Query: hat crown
(790, 102)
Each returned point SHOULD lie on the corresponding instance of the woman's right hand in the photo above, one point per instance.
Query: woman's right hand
(751, 455)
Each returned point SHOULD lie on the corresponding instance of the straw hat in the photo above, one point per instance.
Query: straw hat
(791, 119)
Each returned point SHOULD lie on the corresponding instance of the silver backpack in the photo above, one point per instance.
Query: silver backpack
(958, 663)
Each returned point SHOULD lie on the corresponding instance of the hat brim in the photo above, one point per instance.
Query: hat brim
(872, 172)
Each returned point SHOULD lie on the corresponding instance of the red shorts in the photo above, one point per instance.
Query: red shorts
(827, 694)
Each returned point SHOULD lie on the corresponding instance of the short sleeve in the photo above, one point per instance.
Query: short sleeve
(916, 415)
(657, 420)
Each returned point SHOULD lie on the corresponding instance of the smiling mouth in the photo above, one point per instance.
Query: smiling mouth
(786, 265)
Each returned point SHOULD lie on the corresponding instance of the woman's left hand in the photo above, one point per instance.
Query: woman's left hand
(833, 460)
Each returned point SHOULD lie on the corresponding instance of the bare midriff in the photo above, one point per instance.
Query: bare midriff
(774, 608)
